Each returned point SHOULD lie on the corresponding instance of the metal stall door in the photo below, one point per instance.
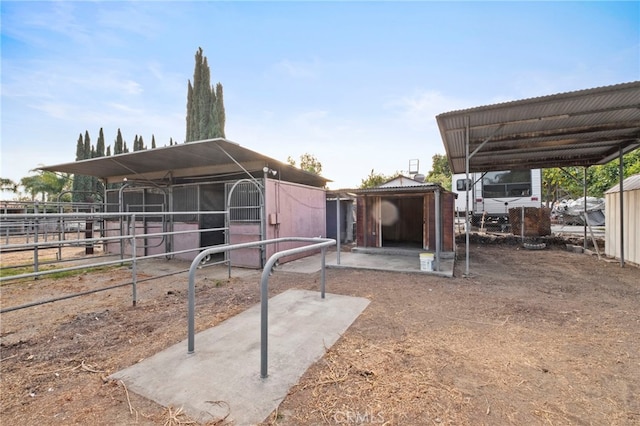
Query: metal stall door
(245, 206)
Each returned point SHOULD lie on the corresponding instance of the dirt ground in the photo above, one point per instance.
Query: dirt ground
(531, 337)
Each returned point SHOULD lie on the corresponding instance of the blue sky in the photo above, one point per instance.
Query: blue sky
(356, 84)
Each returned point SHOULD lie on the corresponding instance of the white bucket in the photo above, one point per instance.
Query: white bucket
(426, 261)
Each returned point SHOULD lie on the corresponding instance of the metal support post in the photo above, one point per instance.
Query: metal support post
(322, 271)
(134, 263)
(35, 239)
(338, 235)
(438, 228)
(467, 221)
(621, 177)
(584, 192)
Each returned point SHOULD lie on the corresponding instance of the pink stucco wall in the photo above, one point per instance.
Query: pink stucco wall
(155, 244)
(244, 233)
(294, 210)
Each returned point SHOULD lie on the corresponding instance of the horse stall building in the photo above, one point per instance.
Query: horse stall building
(198, 194)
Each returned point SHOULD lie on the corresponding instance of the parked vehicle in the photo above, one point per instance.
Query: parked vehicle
(492, 194)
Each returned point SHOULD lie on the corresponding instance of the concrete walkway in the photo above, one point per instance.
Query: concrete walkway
(222, 378)
(407, 261)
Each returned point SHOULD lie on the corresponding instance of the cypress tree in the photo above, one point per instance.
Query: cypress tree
(190, 114)
(100, 144)
(109, 151)
(219, 111)
(87, 145)
(80, 148)
(90, 182)
(118, 148)
(205, 106)
(83, 184)
(78, 180)
(118, 145)
(153, 142)
(98, 186)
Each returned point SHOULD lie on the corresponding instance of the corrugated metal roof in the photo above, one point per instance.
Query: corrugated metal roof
(210, 158)
(629, 184)
(402, 181)
(580, 128)
(418, 189)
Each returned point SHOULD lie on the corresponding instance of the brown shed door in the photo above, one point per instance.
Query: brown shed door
(368, 221)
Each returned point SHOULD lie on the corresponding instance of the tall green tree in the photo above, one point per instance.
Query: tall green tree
(153, 142)
(80, 148)
(308, 163)
(48, 184)
(118, 145)
(100, 144)
(81, 183)
(87, 145)
(97, 185)
(91, 182)
(440, 172)
(8, 185)
(205, 104)
(567, 182)
(375, 179)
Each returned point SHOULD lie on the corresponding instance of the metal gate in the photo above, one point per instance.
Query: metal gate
(245, 204)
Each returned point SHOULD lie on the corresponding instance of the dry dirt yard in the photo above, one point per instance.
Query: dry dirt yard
(532, 337)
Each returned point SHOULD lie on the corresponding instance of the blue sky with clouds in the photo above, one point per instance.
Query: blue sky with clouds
(357, 84)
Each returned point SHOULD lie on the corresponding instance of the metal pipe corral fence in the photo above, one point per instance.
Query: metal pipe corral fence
(26, 227)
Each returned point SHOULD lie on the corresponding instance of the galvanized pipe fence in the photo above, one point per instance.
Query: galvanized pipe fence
(317, 243)
(131, 239)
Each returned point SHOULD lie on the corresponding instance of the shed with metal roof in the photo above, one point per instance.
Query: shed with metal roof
(629, 219)
(416, 217)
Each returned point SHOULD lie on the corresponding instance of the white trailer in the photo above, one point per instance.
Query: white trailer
(492, 194)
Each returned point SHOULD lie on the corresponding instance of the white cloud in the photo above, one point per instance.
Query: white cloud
(419, 109)
(57, 110)
(128, 86)
(298, 69)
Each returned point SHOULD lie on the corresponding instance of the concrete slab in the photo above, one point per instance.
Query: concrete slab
(393, 262)
(222, 377)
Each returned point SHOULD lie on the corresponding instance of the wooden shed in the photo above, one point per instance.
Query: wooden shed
(418, 216)
(623, 221)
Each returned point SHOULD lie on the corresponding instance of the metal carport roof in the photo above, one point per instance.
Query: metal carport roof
(580, 128)
(175, 163)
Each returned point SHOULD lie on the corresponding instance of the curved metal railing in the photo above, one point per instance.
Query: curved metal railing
(318, 243)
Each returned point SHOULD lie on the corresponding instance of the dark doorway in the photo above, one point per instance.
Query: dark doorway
(212, 199)
(402, 222)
